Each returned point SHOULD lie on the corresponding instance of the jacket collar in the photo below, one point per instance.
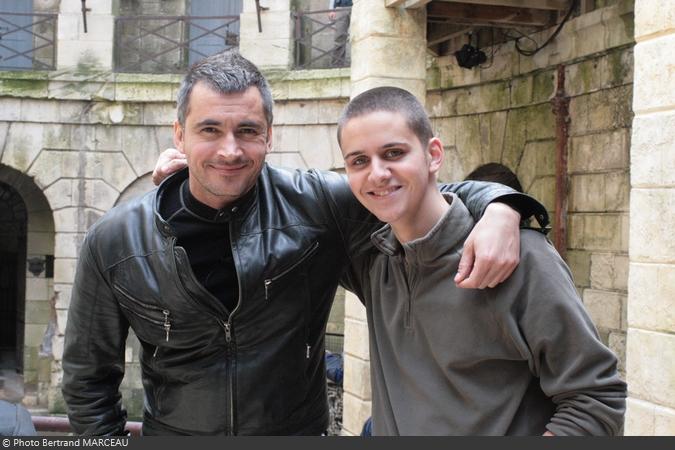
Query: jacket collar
(236, 209)
(447, 235)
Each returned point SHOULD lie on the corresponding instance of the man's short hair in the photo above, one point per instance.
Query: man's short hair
(226, 72)
(498, 173)
(391, 99)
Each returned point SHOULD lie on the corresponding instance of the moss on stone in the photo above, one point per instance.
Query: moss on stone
(16, 87)
(543, 86)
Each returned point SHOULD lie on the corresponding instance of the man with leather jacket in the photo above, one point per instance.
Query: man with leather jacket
(226, 273)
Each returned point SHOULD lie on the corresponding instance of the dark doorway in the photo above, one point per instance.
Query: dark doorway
(13, 226)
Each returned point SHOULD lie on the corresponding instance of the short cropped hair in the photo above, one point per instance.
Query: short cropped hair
(391, 99)
(226, 72)
(498, 173)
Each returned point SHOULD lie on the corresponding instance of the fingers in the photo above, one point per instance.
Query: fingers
(465, 263)
(169, 161)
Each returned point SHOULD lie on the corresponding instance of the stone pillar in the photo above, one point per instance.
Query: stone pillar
(388, 47)
(651, 286)
(356, 383)
(273, 47)
(92, 50)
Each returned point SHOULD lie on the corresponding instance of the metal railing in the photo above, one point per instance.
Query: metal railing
(169, 44)
(321, 38)
(335, 342)
(61, 425)
(27, 41)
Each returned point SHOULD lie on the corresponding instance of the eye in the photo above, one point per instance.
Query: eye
(209, 130)
(359, 161)
(393, 153)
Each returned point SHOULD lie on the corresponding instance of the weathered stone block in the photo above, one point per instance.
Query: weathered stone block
(416, 86)
(159, 114)
(652, 240)
(538, 160)
(141, 149)
(22, 146)
(67, 245)
(389, 57)
(63, 293)
(64, 270)
(286, 138)
(639, 418)
(329, 111)
(652, 83)
(373, 18)
(356, 338)
(291, 160)
(144, 92)
(609, 271)
(354, 413)
(652, 162)
(33, 334)
(318, 146)
(36, 288)
(543, 189)
(580, 264)
(37, 312)
(75, 219)
(617, 344)
(599, 152)
(653, 17)
(604, 307)
(83, 55)
(297, 113)
(650, 366)
(597, 232)
(357, 377)
(354, 309)
(651, 293)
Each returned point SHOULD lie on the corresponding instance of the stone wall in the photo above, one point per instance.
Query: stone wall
(651, 316)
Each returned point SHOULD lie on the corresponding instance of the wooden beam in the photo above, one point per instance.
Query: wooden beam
(408, 4)
(489, 15)
(556, 5)
(438, 36)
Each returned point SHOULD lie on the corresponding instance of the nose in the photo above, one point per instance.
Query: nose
(229, 147)
(379, 171)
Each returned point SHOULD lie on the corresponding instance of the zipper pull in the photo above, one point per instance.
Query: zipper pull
(268, 283)
(167, 324)
(154, 354)
(309, 348)
(228, 332)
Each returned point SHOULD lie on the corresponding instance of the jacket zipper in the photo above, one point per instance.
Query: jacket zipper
(227, 326)
(270, 281)
(166, 324)
(407, 323)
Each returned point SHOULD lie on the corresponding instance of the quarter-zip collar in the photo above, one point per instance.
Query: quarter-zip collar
(448, 233)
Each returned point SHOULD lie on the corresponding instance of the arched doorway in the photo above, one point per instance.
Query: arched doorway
(13, 230)
(26, 287)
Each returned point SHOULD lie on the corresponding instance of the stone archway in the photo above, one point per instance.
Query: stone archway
(26, 285)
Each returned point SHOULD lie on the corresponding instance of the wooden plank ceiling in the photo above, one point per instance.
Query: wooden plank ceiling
(448, 21)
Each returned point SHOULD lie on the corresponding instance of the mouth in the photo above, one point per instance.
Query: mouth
(230, 168)
(382, 193)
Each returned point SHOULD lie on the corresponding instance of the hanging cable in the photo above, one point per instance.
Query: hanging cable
(524, 52)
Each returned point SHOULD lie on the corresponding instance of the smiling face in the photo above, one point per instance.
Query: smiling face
(225, 139)
(391, 173)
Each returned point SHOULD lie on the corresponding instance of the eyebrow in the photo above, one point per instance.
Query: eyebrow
(207, 122)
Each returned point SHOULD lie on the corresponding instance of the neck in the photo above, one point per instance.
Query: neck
(432, 209)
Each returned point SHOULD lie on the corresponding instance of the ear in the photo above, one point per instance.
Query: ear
(269, 140)
(436, 154)
(178, 136)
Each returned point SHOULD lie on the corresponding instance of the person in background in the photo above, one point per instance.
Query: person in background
(341, 21)
(15, 420)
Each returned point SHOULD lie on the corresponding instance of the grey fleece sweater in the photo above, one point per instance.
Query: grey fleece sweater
(518, 359)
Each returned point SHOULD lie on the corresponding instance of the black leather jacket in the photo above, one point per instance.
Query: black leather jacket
(258, 369)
